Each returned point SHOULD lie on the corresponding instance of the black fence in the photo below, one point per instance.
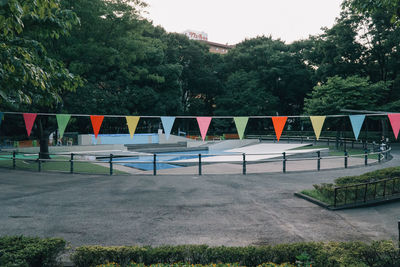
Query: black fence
(105, 163)
(366, 193)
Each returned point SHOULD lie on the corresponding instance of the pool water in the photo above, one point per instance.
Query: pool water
(173, 156)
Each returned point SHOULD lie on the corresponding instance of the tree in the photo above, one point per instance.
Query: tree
(29, 78)
(337, 93)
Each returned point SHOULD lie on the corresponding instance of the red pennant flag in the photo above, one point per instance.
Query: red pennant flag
(29, 119)
(279, 123)
(394, 119)
(96, 123)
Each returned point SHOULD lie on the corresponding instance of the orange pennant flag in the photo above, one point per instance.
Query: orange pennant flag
(96, 123)
(279, 123)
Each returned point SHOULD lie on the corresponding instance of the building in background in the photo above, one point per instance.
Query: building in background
(203, 37)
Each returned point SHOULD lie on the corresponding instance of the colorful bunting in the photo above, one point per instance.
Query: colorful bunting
(395, 122)
(96, 123)
(279, 122)
(167, 123)
(241, 123)
(29, 119)
(317, 123)
(132, 122)
(204, 123)
(62, 121)
(357, 122)
(1, 117)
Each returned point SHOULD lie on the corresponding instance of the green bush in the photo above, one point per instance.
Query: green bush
(30, 251)
(382, 174)
(380, 253)
(192, 265)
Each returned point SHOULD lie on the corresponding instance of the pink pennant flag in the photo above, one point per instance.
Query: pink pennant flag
(394, 119)
(204, 123)
(29, 119)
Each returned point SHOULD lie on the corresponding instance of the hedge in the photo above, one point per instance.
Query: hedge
(30, 251)
(377, 253)
(270, 264)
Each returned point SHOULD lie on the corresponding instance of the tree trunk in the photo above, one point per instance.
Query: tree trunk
(44, 138)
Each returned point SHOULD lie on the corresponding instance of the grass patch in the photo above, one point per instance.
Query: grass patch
(353, 152)
(310, 147)
(318, 195)
(29, 163)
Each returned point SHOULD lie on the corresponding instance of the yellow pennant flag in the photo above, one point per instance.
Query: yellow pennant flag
(317, 123)
(132, 122)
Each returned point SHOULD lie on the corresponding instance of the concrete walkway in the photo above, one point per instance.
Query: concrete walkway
(231, 210)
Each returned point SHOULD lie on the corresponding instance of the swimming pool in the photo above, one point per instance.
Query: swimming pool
(137, 162)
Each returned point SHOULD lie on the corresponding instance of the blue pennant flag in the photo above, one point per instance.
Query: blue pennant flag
(357, 122)
(167, 123)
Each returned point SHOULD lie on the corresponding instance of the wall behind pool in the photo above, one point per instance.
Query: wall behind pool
(122, 139)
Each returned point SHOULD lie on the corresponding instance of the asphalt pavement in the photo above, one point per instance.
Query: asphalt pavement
(230, 209)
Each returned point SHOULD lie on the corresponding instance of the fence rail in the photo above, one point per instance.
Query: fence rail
(366, 193)
(195, 159)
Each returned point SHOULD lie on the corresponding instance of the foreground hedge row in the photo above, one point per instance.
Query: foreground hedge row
(193, 265)
(30, 251)
(382, 253)
(26, 251)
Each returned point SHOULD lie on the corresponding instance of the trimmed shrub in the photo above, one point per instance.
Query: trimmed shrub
(30, 251)
(378, 253)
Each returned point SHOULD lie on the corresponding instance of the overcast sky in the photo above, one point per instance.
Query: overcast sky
(231, 21)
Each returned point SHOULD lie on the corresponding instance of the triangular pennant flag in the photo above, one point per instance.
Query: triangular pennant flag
(279, 123)
(29, 119)
(395, 122)
(96, 123)
(204, 123)
(167, 123)
(132, 122)
(62, 121)
(317, 123)
(357, 122)
(241, 123)
(1, 117)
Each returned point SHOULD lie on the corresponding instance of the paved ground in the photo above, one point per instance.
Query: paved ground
(184, 209)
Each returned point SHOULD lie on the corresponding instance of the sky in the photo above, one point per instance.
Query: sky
(232, 21)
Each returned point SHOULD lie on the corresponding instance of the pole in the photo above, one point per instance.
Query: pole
(366, 157)
(155, 164)
(345, 159)
(284, 161)
(14, 161)
(244, 163)
(39, 163)
(72, 163)
(111, 164)
(199, 164)
(319, 160)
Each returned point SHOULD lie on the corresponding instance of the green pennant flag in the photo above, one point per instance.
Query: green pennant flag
(241, 123)
(62, 121)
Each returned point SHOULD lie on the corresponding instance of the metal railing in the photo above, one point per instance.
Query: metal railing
(366, 193)
(154, 159)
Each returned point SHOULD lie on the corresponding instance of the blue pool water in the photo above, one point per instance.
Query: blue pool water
(173, 156)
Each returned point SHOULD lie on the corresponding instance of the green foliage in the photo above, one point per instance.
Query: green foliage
(373, 176)
(338, 93)
(29, 251)
(270, 264)
(378, 253)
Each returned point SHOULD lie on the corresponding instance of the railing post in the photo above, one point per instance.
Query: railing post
(365, 193)
(366, 157)
(14, 161)
(111, 164)
(72, 163)
(284, 162)
(199, 164)
(328, 141)
(379, 157)
(345, 158)
(319, 160)
(244, 163)
(384, 188)
(398, 227)
(155, 164)
(39, 163)
(335, 196)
